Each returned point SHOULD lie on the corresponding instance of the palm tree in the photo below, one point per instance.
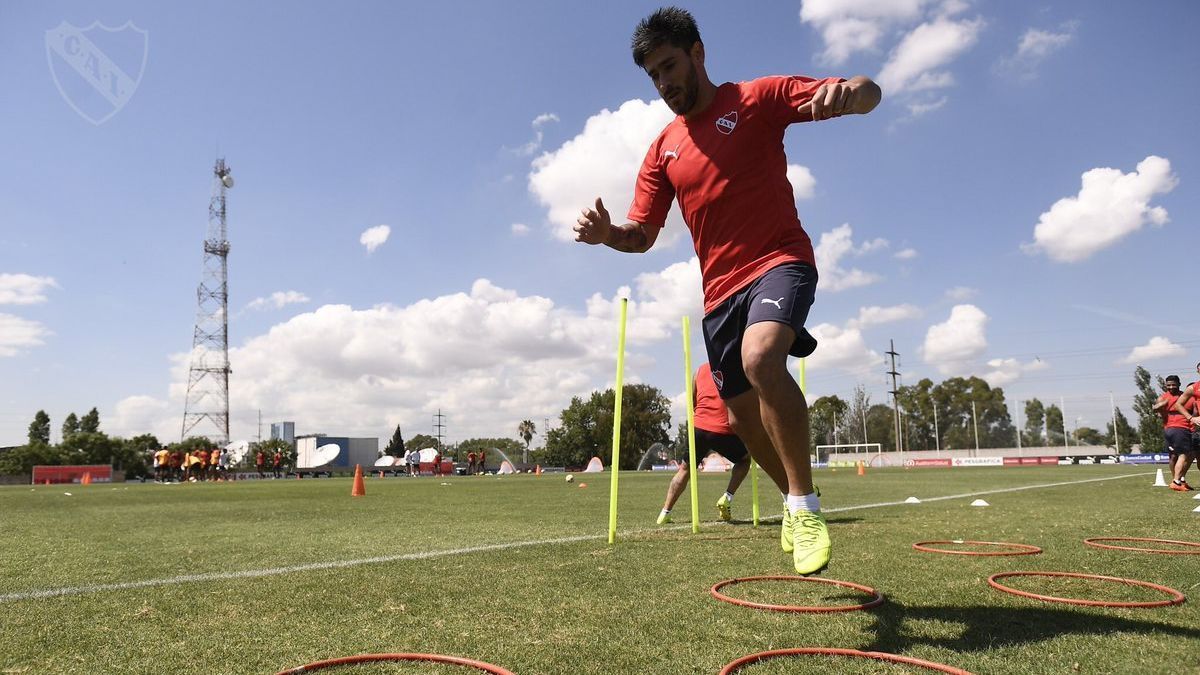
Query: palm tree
(526, 430)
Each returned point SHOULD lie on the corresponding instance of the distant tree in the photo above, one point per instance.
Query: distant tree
(421, 442)
(90, 423)
(881, 426)
(1054, 426)
(138, 454)
(853, 423)
(39, 429)
(526, 429)
(824, 416)
(20, 460)
(679, 448)
(586, 428)
(1128, 435)
(916, 412)
(1035, 419)
(70, 425)
(1150, 425)
(957, 418)
(1089, 436)
(94, 447)
(395, 447)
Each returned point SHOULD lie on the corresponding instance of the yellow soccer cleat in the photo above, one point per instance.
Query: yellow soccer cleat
(811, 545)
(785, 533)
(724, 509)
(664, 519)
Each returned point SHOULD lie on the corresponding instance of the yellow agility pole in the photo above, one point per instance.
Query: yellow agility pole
(616, 444)
(754, 490)
(691, 417)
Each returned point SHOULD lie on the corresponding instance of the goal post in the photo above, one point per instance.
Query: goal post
(858, 451)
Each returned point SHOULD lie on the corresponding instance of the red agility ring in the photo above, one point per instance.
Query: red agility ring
(1020, 549)
(1095, 541)
(1176, 597)
(878, 656)
(373, 658)
(876, 599)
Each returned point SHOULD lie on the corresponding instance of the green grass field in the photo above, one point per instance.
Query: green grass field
(258, 577)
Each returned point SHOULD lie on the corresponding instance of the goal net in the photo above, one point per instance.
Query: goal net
(848, 452)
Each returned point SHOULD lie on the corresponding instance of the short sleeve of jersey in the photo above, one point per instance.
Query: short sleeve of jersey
(653, 193)
(780, 96)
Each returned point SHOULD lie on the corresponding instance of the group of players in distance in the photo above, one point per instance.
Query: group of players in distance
(722, 159)
(1180, 411)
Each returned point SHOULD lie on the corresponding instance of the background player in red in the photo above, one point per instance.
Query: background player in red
(713, 434)
(1188, 405)
(1177, 432)
(723, 159)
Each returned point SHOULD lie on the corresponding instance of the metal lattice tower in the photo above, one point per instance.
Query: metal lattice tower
(208, 377)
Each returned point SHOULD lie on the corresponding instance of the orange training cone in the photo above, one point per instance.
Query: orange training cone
(359, 489)
(862, 470)
(87, 479)
(537, 470)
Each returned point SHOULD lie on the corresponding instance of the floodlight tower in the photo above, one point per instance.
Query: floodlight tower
(208, 377)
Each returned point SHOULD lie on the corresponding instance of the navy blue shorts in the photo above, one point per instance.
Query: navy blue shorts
(728, 446)
(783, 294)
(1178, 440)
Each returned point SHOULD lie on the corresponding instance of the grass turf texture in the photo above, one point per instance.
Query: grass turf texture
(582, 606)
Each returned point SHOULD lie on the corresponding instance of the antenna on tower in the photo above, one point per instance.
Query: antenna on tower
(208, 376)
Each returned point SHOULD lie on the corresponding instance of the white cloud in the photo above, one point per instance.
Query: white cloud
(803, 183)
(488, 357)
(835, 245)
(918, 108)
(914, 64)
(851, 26)
(906, 254)
(140, 414)
(842, 348)
(278, 300)
(374, 237)
(1033, 47)
(17, 334)
(952, 346)
(520, 229)
(1005, 371)
(24, 289)
(961, 293)
(601, 161)
(537, 124)
(875, 315)
(1157, 348)
(1109, 207)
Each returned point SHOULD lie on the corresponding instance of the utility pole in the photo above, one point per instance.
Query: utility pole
(895, 392)
(937, 438)
(439, 427)
(975, 420)
(1112, 403)
(1062, 400)
(1018, 411)
(260, 425)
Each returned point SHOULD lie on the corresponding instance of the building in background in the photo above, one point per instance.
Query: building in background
(284, 431)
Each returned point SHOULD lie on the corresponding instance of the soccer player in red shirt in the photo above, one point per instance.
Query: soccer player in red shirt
(723, 160)
(1186, 405)
(713, 434)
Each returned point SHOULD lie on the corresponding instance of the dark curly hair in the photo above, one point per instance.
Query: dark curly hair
(666, 26)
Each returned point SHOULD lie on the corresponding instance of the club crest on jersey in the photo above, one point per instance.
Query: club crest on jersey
(727, 122)
(718, 379)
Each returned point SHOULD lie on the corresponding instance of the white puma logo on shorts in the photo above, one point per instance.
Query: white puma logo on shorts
(773, 302)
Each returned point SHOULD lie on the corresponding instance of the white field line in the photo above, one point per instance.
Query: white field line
(426, 555)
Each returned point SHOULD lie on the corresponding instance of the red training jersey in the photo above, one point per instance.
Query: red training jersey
(728, 170)
(1171, 417)
(711, 414)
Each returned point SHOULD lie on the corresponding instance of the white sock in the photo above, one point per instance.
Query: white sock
(665, 512)
(729, 496)
(808, 502)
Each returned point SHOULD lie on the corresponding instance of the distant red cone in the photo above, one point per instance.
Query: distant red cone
(359, 489)
(862, 470)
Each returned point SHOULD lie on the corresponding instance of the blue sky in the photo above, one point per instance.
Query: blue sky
(953, 219)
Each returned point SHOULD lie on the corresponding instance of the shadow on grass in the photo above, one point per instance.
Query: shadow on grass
(986, 627)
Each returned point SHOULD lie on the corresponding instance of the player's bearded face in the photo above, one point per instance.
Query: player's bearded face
(682, 98)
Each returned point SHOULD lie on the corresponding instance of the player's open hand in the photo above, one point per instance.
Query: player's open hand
(593, 225)
(830, 100)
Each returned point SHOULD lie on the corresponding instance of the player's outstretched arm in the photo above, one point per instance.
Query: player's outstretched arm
(856, 96)
(594, 226)
(1182, 401)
